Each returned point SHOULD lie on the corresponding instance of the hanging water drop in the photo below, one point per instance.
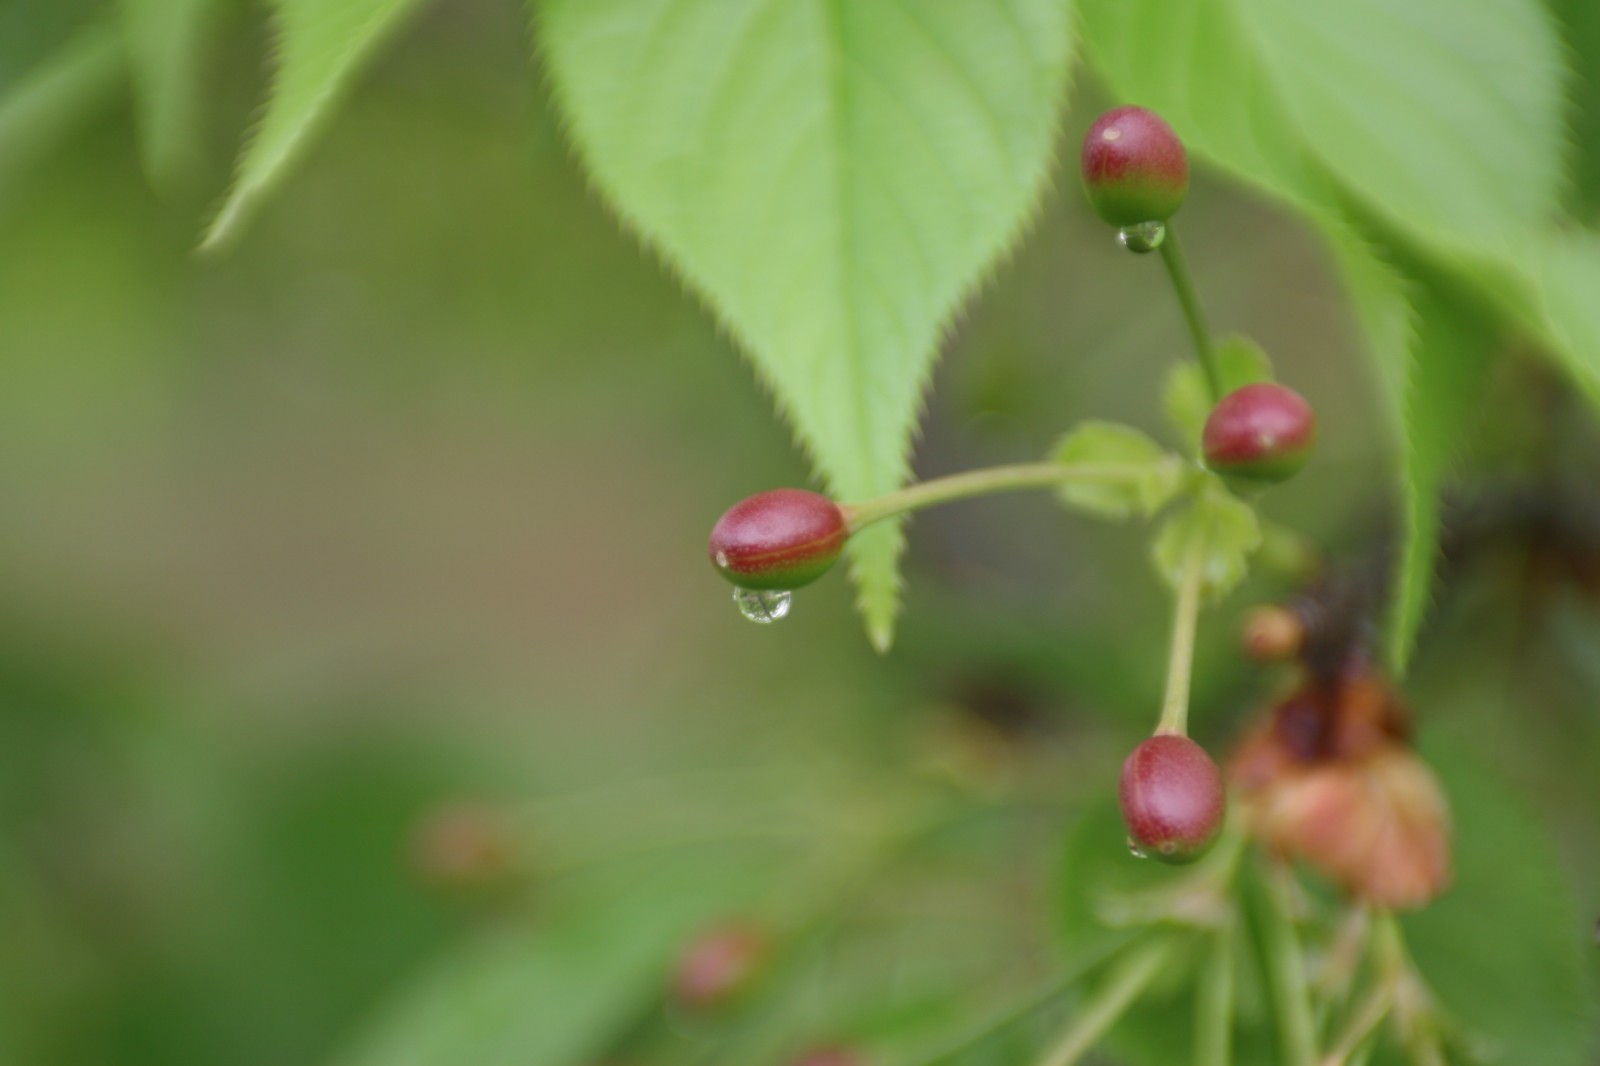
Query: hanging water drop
(1135, 850)
(1142, 237)
(763, 606)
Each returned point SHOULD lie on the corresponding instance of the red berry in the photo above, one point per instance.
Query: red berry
(1134, 167)
(782, 539)
(1172, 798)
(718, 966)
(1260, 433)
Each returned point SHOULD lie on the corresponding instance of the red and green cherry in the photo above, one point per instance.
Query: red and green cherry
(1259, 435)
(1172, 797)
(773, 543)
(1136, 174)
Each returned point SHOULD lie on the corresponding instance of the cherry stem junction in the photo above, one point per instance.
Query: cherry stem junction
(1040, 475)
(1183, 284)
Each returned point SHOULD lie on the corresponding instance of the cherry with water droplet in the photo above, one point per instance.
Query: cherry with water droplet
(1135, 169)
(778, 540)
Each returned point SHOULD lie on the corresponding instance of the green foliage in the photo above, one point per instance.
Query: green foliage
(1517, 985)
(1569, 276)
(559, 990)
(1451, 353)
(1302, 105)
(57, 95)
(1187, 398)
(1153, 479)
(1216, 532)
(833, 179)
(166, 42)
(1285, 99)
(1505, 949)
(321, 45)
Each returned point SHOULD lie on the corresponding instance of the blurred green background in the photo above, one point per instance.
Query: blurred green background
(402, 503)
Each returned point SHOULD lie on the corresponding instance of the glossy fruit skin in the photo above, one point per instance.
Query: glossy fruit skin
(1173, 799)
(1135, 168)
(1263, 433)
(783, 539)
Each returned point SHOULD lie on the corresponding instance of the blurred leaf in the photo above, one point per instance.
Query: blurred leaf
(561, 990)
(833, 179)
(1142, 493)
(1568, 272)
(166, 41)
(1476, 152)
(1187, 397)
(1580, 21)
(1275, 90)
(56, 96)
(1519, 980)
(1451, 353)
(321, 45)
(1221, 528)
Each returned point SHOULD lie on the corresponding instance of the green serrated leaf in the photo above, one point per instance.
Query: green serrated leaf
(321, 45)
(1187, 396)
(1217, 532)
(1451, 353)
(166, 42)
(1154, 474)
(833, 178)
(1568, 273)
(1286, 94)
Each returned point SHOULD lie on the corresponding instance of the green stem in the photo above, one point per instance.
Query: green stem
(1373, 1010)
(1013, 1014)
(1183, 284)
(1413, 1004)
(1101, 1011)
(983, 483)
(1180, 657)
(1213, 1038)
(1287, 973)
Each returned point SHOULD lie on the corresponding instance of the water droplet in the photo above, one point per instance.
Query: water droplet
(1143, 237)
(1136, 851)
(763, 605)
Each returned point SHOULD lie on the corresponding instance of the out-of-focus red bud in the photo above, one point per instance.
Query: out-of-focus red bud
(719, 965)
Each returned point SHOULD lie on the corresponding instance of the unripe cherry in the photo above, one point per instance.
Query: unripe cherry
(779, 540)
(720, 965)
(1172, 798)
(1134, 167)
(1261, 433)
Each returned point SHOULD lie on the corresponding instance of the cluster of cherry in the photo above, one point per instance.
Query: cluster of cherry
(1136, 174)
